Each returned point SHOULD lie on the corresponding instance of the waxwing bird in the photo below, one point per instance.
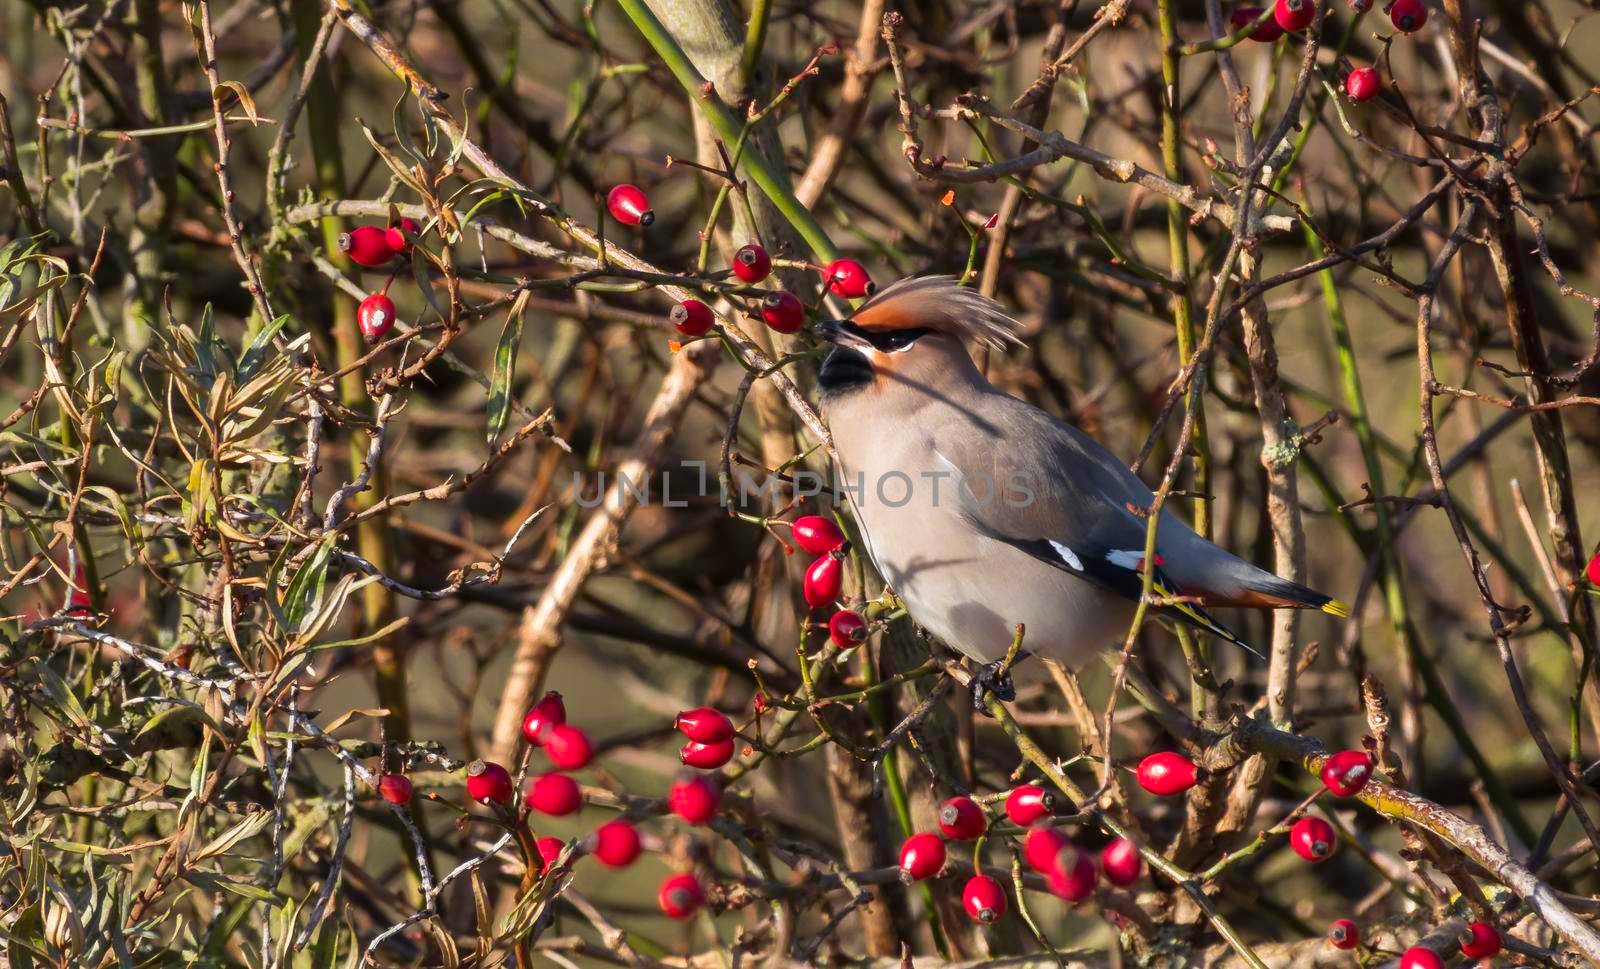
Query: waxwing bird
(981, 511)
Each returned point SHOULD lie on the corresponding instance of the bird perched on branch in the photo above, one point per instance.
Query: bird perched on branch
(981, 511)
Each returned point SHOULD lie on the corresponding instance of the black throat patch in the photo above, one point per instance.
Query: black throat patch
(844, 371)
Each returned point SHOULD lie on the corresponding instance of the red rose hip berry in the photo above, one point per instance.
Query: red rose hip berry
(751, 264)
(691, 318)
(704, 725)
(1362, 84)
(568, 747)
(1294, 15)
(366, 245)
(1044, 848)
(1592, 570)
(816, 534)
(706, 756)
(783, 311)
(1344, 934)
(961, 819)
(921, 857)
(615, 844)
(1485, 941)
(1121, 863)
(395, 788)
(1266, 33)
(824, 581)
(1167, 773)
(554, 794)
(1028, 803)
(1313, 839)
(547, 713)
(1347, 772)
(849, 279)
(847, 629)
(375, 317)
(680, 896)
(984, 899)
(1418, 957)
(694, 799)
(1408, 16)
(629, 205)
(400, 236)
(79, 602)
(488, 782)
(1074, 876)
(549, 850)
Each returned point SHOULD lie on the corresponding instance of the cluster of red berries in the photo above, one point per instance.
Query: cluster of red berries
(1408, 16)
(616, 843)
(824, 578)
(1168, 774)
(695, 798)
(1482, 942)
(781, 310)
(1291, 16)
(372, 247)
(568, 749)
(710, 737)
(1069, 871)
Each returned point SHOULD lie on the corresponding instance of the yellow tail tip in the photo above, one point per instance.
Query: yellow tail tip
(1337, 607)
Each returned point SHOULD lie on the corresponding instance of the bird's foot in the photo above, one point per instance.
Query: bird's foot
(992, 678)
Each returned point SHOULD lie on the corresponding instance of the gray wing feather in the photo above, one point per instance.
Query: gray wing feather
(1071, 503)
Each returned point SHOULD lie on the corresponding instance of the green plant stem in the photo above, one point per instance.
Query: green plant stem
(728, 128)
(373, 536)
(153, 212)
(755, 40)
(1391, 575)
(1182, 307)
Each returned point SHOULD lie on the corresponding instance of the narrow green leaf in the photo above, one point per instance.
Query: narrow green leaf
(306, 587)
(325, 950)
(213, 882)
(505, 368)
(256, 352)
(419, 271)
(230, 839)
(205, 344)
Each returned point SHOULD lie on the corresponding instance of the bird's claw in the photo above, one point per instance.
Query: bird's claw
(992, 678)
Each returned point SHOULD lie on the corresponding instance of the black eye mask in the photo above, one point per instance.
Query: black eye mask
(888, 341)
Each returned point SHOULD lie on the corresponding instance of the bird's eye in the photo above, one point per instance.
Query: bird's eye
(896, 341)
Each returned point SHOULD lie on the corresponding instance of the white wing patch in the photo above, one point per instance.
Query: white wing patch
(1068, 556)
(1125, 558)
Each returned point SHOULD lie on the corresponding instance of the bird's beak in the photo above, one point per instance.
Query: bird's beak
(839, 333)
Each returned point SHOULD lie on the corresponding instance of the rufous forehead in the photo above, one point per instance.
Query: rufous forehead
(888, 315)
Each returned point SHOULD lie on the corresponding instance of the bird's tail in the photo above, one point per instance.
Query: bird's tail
(1262, 590)
(1267, 591)
(1192, 614)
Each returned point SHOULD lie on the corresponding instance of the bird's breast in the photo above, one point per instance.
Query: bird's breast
(969, 590)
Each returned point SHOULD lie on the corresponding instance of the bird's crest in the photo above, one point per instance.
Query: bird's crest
(936, 302)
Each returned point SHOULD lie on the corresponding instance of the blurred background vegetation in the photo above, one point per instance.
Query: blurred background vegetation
(143, 286)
